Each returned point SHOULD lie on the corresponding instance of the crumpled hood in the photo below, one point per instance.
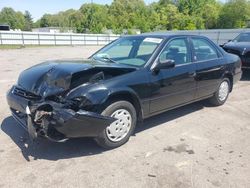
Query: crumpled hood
(54, 77)
(240, 46)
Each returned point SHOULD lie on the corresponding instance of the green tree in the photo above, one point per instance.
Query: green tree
(129, 14)
(135, 14)
(14, 19)
(210, 14)
(28, 21)
(95, 17)
(234, 14)
(76, 20)
(20, 20)
(169, 17)
(8, 16)
(45, 21)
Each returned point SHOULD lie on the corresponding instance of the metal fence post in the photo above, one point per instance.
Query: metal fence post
(22, 39)
(38, 37)
(1, 38)
(218, 37)
(84, 38)
(71, 43)
(55, 38)
(97, 40)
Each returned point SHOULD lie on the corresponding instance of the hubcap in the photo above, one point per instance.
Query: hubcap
(119, 129)
(223, 90)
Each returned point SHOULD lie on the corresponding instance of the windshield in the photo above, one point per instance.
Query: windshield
(135, 51)
(243, 37)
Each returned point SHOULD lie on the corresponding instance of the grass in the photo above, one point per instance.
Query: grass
(6, 47)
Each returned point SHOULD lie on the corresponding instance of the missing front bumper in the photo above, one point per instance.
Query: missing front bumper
(64, 124)
(57, 123)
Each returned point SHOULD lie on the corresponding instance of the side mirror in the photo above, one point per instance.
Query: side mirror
(166, 64)
(229, 40)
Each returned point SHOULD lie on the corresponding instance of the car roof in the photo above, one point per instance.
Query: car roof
(245, 32)
(164, 35)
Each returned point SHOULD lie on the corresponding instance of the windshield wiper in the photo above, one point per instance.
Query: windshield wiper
(105, 59)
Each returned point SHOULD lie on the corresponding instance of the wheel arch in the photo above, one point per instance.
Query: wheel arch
(126, 96)
(229, 75)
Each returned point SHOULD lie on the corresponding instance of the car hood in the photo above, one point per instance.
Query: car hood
(240, 46)
(54, 77)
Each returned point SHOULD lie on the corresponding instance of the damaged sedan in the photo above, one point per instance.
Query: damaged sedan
(130, 79)
(240, 46)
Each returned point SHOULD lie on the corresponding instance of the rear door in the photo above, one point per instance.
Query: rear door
(209, 66)
(174, 86)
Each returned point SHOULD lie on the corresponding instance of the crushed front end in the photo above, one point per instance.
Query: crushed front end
(245, 60)
(243, 53)
(60, 100)
(56, 121)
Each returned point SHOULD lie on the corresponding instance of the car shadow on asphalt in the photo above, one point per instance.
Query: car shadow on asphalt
(245, 75)
(44, 149)
(170, 115)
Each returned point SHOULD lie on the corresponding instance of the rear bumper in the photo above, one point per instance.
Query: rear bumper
(237, 77)
(58, 123)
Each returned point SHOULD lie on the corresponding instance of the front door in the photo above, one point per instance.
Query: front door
(174, 86)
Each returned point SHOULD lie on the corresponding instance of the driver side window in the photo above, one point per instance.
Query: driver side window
(176, 50)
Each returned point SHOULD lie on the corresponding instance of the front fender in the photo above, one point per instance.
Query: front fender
(127, 94)
(122, 91)
(97, 97)
(94, 94)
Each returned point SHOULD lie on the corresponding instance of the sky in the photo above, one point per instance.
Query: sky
(39, 7)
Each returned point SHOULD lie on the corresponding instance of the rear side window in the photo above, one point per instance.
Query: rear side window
(203, 50)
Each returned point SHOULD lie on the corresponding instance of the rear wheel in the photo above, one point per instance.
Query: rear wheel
(221, 95)
(118, 132)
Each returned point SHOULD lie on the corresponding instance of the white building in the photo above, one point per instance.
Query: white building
(53, 30)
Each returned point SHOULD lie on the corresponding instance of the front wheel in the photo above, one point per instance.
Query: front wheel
(118, 132)
(221, 95)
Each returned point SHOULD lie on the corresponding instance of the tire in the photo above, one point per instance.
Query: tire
(218, 100)
(127, 113)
